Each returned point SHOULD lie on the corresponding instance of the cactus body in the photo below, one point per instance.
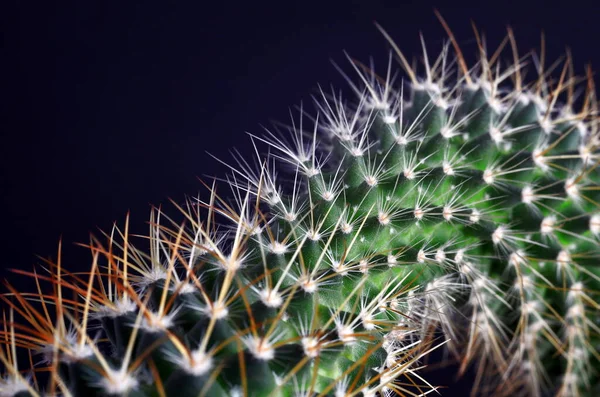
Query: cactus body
(455, 209)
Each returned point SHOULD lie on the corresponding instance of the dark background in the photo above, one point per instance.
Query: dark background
(110, 105)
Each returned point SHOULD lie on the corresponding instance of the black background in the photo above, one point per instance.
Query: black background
(109, 106)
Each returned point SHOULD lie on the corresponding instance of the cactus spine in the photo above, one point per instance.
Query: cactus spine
(459, 208)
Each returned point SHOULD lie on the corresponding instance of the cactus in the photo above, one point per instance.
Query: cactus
(454, 210)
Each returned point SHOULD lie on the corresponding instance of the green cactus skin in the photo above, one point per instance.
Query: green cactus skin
(454, 209)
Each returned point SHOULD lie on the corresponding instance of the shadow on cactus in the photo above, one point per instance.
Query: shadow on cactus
(455, 207)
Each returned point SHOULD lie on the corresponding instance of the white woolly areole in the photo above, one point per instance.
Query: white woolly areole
(346, 228)
(441, 102)
(389, 119)
(499, 234)
(525, 282)
(371, 180)
(339, 267)
(79, 351)
(200, 362)
(311, 346)
(475, 216)
(236, 391)
(586, 153)
(571, 188)
(277, 248)
(119, 307)
(270, 297)
(328, 195)
(72, 350)
(290, 216)
(340, 390)
(253, 228)
(402, 140)
(363, 266)
(216, 310)
(357, 152)
(529, 307)
(185, 288)
(231, 264)
(540, 160)
(527, 195)
(155, 322)
(479, 285)
(409, 173)
(576, 311)
(547, 225)
(419, 213)
(272, 198)
(516, 258)
(563, 258)
(496, 135)
(575, 291)
(383, 218)
(435, 284)
(546, 125)
(155, 274)
(488, 176)
(118, 382)
(260, 348)
(447, 212)
(346, 333)
(595, 224)
(11, 386)
(367, 320)
(391, 260)
(524, 98)
(447, 132)
(440, 256)
(308, 284)
(447, 168)
(313, 235)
